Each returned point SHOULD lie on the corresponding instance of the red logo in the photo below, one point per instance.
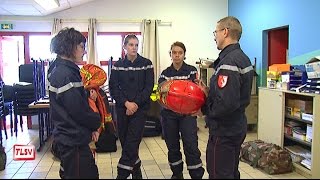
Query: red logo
(24, 152)
(222, 81)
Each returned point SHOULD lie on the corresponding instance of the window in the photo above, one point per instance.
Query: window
(109, 45)
(39, 46)
(12, 56)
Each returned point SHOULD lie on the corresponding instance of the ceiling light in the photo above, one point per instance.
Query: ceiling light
(48, 4)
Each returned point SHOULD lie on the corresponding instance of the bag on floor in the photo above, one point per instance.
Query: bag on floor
(251, 151)
(3, 159)
(276, 161)
(267, 156)
(107, 141)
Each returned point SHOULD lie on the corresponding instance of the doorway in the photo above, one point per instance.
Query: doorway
(11, 56)
(274, 49)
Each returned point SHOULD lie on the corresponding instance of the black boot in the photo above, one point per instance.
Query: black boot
(177, 176)
(121, 177)
(122, 173)
(61, 172)
(137, 174)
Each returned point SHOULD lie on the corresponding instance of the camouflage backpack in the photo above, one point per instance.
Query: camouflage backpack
(269, 157)
(251, 151)
(276, 161)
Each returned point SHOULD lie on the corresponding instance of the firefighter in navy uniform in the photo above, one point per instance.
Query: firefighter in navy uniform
(75, 124)
(131, 83)
(228, 96)
(173, 123)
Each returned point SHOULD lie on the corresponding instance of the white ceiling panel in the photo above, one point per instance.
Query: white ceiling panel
(4, 12)
(26, 13)
(19, 7)
(31, 8)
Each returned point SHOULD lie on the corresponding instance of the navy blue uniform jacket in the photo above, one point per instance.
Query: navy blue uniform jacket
(132, 81)
(229, 93)
(74, 121)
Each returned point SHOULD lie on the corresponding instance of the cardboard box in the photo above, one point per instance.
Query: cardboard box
(297, 112)
(304, 106)
(313, 70)
(285, 78)
(291, 103)
(271, 83)
(280, 67)
(274, 75)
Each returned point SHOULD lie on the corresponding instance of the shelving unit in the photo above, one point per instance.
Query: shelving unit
(271, 121)
(298, 140)
(297, 119)
(206, 75)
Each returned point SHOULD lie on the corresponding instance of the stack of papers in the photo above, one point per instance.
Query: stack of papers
(43, 101)
(306, 163)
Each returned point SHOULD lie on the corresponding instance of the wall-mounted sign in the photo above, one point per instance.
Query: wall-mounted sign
(6, 26)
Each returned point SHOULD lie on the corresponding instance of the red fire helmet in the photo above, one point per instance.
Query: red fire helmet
(181, 96)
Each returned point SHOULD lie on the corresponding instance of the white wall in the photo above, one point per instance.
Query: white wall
(192, 22)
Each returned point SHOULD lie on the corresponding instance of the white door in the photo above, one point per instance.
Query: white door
(12, 55)
(271, 116)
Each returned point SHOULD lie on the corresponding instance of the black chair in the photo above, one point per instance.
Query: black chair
(8, 94)
(26, 73)
(5, 109)
(23, 96)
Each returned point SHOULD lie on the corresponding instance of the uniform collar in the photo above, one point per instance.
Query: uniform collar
(183, 67)
(68, 63)
(228, 49)
(126, 60)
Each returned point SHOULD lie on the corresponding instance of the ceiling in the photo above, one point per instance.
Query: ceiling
(31, 8)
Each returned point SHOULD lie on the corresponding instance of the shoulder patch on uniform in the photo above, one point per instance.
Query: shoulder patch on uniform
(222, 81)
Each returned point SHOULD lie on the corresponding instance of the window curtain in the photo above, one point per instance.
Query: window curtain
(57, 26)
(150, 44)
(92, 42)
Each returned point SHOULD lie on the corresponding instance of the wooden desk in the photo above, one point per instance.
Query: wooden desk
(43, 119)
(34, 105)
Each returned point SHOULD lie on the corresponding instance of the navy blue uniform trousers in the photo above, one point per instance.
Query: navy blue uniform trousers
(130, 131)
(187, 126)
(77, 162)
(223, 156)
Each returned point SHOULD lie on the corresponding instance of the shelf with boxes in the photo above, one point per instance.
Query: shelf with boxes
(300, 78)
(298, 128)
(286, 77)
(292, 121)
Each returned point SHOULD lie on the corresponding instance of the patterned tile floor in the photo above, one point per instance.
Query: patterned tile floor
(153, 153)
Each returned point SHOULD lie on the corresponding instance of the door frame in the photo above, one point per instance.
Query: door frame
(265, 50)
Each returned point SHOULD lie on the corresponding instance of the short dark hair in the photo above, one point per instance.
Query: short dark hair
(64, 43)
(234, 26)
(128, 37)
(179, 44)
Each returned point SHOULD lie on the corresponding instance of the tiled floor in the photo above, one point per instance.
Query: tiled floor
(153, 153)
